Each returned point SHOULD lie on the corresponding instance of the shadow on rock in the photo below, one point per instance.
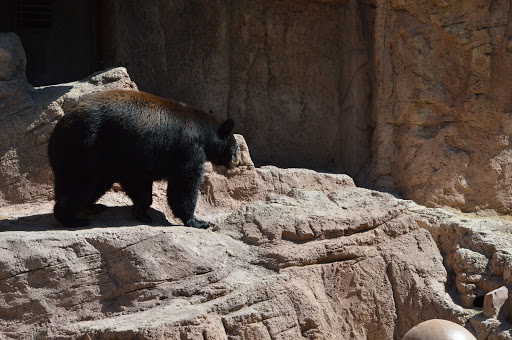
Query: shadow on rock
(110, 217)
(49, 94)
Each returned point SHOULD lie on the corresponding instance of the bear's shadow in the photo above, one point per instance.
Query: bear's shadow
(111, 217)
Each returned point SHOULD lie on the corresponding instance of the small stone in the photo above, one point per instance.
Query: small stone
(493, 301)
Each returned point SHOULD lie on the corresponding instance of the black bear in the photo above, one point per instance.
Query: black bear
(135, 138)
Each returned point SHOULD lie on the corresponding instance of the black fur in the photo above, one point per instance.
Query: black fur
(135, 138)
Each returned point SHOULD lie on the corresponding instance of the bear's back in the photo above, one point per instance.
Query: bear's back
(146, 109)
(139, 114)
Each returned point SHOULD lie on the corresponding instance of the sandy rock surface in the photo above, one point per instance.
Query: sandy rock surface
(292, 254)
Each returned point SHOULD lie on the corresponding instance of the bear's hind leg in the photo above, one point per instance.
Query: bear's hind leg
(75, 194)
(67, 214)
(70, 199)
(140, 192)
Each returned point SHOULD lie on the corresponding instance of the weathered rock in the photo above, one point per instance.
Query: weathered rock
(442, 101)
(406, 96)
(292, 254)
(12, 59)
(304, 263)
(225, 190)
(27, 117)
(16, 100)
(476, 251)
(494, 300)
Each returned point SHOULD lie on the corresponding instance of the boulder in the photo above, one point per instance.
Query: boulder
(494, 301)
(436, 329)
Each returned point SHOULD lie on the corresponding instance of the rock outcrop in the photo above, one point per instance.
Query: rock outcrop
(301, 263)
(291, 254)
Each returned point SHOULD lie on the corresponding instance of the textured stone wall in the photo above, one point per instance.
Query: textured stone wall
(407, 96)
(293, 74)
(443, 101)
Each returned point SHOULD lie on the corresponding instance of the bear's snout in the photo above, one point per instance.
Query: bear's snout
(235, 161)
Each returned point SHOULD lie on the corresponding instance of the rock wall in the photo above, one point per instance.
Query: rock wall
(293, 253)
(292, 74)
(442, 102)
(406, 96)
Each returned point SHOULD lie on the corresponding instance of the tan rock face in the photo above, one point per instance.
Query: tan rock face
(327, 261)
(292, 253)
(292, 70)
(494, 301)
(345, 263)
(443, 102)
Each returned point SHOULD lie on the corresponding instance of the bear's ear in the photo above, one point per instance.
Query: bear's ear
(226, 128)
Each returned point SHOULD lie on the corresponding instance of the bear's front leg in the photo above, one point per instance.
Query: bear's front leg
(182, 191)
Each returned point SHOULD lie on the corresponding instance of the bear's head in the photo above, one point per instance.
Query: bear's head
(226, 148)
